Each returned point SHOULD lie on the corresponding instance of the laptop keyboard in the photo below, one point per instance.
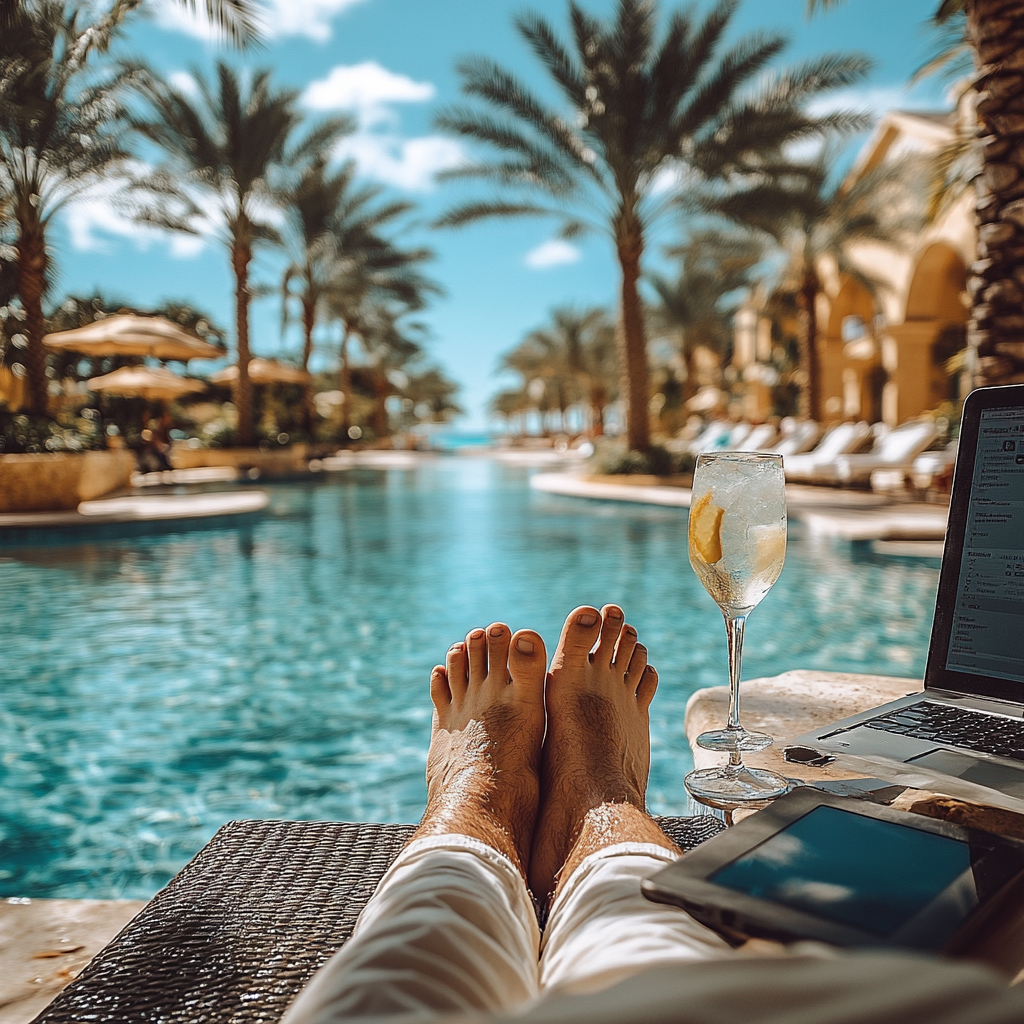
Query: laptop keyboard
(959, 727)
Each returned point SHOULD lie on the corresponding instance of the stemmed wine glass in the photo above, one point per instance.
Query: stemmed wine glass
(737, 548)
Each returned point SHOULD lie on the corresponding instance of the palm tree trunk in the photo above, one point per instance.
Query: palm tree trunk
(632, 340)
(308, 323)
(32, 266)
(996, 333)
(598, 400)
(380, 409)
(241, 257)
(810, 399)
(345, 386)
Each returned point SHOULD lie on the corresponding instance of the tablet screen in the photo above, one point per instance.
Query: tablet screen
(874, 875)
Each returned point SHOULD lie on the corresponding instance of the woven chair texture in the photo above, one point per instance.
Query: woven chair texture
(240, 929)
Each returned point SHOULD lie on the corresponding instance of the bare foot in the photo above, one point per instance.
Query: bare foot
(597, 751)
(484, 759)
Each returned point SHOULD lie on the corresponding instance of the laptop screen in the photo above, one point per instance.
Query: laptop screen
(987, 628)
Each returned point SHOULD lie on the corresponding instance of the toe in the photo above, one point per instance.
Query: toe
(624, 648)
(457, 672)
(440, 693)
(476, 644)
(648, 684)
(498, 638)
(637, 664)
(527, 662)
(611, 624)
(578, 635)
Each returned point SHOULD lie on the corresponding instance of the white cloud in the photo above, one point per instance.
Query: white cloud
(406, 163)
(311, 18)
(365, 89)
(552, 253)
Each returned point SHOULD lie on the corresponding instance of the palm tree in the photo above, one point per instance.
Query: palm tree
(816, 218)
(995, 31)
(61, 130)
(373, 275)
(225, 144)
(694, 306)
(237, 20)
(333, 226)
(645, 117)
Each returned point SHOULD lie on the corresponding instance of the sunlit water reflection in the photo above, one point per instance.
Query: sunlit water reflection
(152, 689)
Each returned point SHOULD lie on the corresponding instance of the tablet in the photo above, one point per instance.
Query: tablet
(846, 872)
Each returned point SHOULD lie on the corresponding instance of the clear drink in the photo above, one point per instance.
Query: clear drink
(737, 544)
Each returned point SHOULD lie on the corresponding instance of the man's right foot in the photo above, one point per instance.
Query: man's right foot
(597, 751)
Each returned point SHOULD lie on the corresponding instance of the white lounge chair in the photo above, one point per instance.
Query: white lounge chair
(711, 437)
(895, 451)
(840, 440)
(734, 440)
(758, 439)
(796, 437)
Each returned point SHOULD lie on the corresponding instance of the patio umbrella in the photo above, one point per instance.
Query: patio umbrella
(130, 335)
(262, 371)
(145, 382)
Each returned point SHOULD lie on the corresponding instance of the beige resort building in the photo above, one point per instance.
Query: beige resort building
(878, 354)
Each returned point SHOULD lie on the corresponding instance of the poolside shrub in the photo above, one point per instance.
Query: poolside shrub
(613, 458)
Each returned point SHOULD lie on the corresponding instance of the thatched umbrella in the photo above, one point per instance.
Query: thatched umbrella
(262, 371)
(159, 384)
(130, 335)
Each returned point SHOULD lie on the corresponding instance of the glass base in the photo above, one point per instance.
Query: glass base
(734, 739)
(728, 787)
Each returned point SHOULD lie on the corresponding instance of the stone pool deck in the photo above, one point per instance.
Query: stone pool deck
(135, 513)
(823, 511)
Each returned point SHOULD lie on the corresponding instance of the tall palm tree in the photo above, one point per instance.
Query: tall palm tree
(995, 31)
(694, 306)
(814, 217)
(61, 130)
(225, 143)
(237, 20)
(373, 275)
(644, 118)
(333, 225)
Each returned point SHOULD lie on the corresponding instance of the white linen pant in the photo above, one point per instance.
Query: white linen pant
(452, 928)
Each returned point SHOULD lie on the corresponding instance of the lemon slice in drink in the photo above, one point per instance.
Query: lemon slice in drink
(706, 529)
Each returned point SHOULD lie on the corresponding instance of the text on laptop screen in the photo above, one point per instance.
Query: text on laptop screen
(989, 610)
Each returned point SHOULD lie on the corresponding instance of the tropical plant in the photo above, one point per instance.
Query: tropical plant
(237, 20)
(374, 279)
(225, 142)
(995, 32)
(334, 233)
(694, 307)
(62, 129)
(645, 118)
(815, 217)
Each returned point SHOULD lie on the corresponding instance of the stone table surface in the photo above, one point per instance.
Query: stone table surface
(45, 944)
(787, 706)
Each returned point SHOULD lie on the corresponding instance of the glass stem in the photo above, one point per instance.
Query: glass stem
(734, 626)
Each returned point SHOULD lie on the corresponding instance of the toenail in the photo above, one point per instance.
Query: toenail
(614, 613)
(497, 630)
(586, 619)
(524, 646)
(476, 634)
(457, 646)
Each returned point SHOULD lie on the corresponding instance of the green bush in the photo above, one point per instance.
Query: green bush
(22, 433)
(613, 458)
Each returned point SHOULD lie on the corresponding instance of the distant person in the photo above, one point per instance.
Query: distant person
(541, 777)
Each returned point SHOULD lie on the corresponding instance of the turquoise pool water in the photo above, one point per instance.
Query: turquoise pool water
(152, 689)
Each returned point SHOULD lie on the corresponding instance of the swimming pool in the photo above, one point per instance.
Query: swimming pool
(152, 689)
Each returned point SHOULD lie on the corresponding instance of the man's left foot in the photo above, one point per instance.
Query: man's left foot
(483, 766)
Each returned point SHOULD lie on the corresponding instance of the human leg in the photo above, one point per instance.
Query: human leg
(451, 926)
(594, 841)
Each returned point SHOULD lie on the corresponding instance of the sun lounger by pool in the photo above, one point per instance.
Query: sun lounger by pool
(757, 439)
(711, 437)
(240, 930)
(840, 440)
(897, 450)
(795, 438)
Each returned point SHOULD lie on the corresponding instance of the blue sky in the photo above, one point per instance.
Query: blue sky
(392, 64)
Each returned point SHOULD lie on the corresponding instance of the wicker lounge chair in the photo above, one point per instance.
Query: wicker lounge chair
(239, 930)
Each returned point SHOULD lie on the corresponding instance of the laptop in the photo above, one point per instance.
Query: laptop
(969, 720)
